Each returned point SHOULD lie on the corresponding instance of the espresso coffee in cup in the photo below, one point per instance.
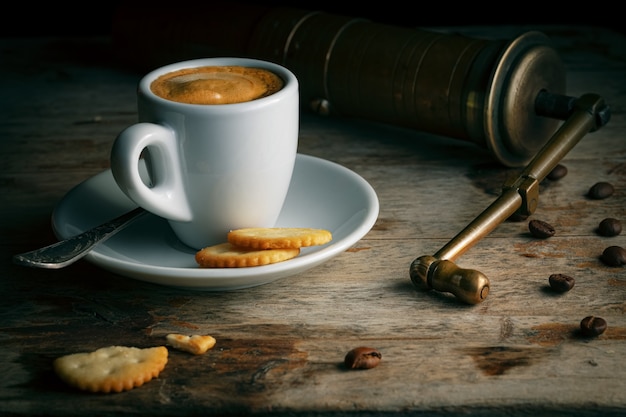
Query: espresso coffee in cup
(217, 84)
(219, 138)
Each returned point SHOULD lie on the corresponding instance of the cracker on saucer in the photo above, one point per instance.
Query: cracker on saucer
(278, 237)
(196, 344)
(111, 369)
(226, 255)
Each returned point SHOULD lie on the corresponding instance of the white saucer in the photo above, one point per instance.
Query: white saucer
(322, 194)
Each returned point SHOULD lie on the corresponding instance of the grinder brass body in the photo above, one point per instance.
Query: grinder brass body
(472, 89)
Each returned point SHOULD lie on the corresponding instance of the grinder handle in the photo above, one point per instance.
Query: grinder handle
(438, 272)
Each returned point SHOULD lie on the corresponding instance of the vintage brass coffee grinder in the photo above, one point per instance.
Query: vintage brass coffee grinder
(505, 95)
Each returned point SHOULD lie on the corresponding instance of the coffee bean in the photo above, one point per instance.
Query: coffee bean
(540, 229)
(610, 227)
(561, 282)
(592, 326)
(362, 358)
(614, 256)
(601, 190)
(557, 172)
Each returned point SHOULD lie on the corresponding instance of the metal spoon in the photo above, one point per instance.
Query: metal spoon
(68, 251)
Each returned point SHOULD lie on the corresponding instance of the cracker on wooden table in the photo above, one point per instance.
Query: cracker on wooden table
(196, 344)
(112, 368)
(226, 255)
(278, 237)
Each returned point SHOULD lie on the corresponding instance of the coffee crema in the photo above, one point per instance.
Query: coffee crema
(216, 84)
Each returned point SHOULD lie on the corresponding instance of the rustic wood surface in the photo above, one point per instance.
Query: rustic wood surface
(280, 346)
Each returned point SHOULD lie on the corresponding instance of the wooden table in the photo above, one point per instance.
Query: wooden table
(280, 346)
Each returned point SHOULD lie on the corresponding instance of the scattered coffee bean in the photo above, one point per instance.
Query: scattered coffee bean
(561, 282)
(601, 190)
(557, 172)
(614, 256)
(592, 326)
(362, 358)
(540, 229)
(610, 227)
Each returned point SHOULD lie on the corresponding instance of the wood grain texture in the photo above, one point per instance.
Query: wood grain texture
(280, 346)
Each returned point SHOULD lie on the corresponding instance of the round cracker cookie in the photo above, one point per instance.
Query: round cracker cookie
(226, 255)
(278, 237)
(112, 368)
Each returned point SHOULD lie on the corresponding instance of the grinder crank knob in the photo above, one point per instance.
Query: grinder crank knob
(468, 285)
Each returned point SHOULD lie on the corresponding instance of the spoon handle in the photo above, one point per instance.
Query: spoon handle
(68, 251)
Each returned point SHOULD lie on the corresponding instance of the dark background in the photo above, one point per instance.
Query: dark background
(93, 19)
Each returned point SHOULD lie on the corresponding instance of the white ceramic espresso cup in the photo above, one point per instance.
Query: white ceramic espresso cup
(213, 167)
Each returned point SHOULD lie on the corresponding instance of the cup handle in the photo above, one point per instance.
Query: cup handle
(166, 196)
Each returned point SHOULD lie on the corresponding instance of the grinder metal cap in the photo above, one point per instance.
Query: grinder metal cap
(514, 133)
